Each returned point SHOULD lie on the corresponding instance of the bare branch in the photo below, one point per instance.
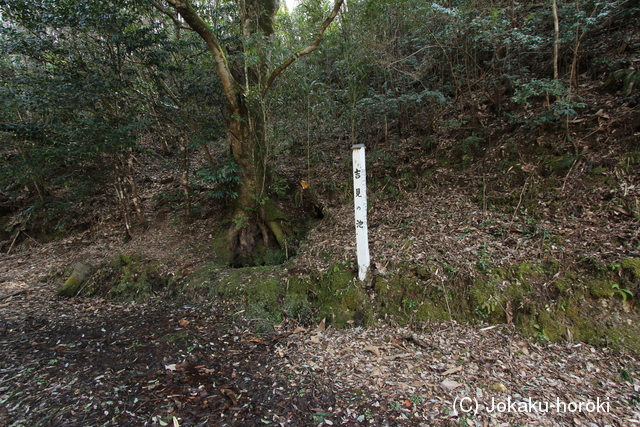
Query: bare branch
(307, 50)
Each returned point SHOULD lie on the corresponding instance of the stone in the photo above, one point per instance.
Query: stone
(81, 273)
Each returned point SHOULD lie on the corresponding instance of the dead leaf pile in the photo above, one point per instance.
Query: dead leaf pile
(451, 374)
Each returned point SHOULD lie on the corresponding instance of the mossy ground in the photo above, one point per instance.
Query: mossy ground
(127, 278)
(543, 299)
(588, 302)
(268, 296)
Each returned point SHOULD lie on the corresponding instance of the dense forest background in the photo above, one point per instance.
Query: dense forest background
(88, 89)
(502, 123)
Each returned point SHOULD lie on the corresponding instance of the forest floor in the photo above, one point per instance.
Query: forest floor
(98, 362)
(94, 362)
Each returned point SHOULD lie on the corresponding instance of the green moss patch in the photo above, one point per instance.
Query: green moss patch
(80, 275)
(266, 296)
(600, 288)
(547, 300)
(127, 278)
(590, 302)
(220, 246)
(630, 272)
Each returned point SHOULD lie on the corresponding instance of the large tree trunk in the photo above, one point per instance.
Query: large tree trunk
(249, 229)
(252, 223)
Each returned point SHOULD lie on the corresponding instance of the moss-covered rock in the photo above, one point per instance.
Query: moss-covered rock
(81, 273)
(128, 278)
(599, 288)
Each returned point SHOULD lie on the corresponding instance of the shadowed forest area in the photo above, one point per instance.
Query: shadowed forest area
(177, 237)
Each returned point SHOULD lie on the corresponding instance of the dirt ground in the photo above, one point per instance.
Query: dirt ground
(94, 362)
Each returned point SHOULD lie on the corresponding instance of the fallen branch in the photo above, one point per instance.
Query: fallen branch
(515, 212)
(14, 242)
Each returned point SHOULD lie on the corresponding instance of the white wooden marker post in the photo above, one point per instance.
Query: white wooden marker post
(360, 207)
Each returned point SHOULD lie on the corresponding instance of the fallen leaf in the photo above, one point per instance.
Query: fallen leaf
(183, 366)
(230, 394)
(498, 387)
(399, 356)
(452, 371)
(381, 269)
(183, 322)
(450, 385)
(373, 349)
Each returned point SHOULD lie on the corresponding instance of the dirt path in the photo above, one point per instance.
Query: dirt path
(94, 362)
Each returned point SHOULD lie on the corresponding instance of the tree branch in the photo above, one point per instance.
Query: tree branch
(307, 50)
(171, 15)
(197, 24)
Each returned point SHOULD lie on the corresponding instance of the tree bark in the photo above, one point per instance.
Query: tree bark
(556, 40)
(249, 151)
(247, 123)
(135, 198)
(229, 85)
(184, 176)
(121, 193)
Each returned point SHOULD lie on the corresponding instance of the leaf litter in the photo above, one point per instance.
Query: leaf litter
(97, 362)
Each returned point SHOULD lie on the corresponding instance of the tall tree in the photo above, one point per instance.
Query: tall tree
(245, 89)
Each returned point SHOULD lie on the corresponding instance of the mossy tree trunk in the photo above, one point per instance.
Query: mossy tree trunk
(248, 145)
(245, 91)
